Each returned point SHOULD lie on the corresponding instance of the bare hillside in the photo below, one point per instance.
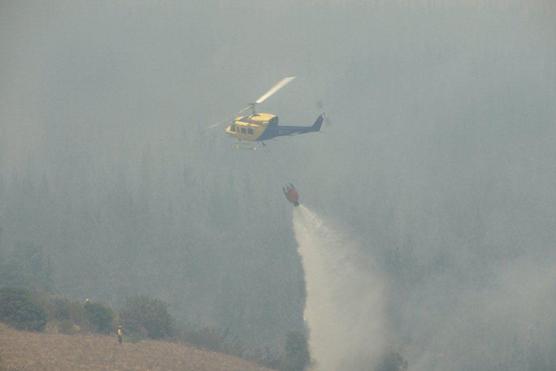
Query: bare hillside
(21, 350)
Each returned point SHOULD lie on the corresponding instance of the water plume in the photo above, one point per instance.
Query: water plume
(344, 304)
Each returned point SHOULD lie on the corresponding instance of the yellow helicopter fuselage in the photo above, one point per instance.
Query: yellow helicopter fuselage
(258, 127)
(251, 128)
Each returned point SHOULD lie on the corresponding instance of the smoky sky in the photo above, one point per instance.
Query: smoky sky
(439, 159)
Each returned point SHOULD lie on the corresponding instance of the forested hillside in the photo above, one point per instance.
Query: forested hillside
(439, 160)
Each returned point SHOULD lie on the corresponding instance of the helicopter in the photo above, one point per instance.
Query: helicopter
(258, 127)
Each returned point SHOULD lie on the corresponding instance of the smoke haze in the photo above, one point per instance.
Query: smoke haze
(440, 160)
(344, 303)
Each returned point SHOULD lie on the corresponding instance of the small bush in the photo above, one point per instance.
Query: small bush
(202, 337)
(59, 309)
(19, 309)
(212, 339)
(147, 317)
(99, 317)
(63, 312)
(67, 327)
(77, 313)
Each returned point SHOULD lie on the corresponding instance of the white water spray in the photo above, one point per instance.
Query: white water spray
(344, 304)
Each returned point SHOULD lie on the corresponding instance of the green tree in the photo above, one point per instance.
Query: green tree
(58, 309)
(99, 317)
(392, 361)
(26, 266)
(147, 317)
(19, 309)
(296, 357)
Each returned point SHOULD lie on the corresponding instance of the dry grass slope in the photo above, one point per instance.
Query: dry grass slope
(21, 350)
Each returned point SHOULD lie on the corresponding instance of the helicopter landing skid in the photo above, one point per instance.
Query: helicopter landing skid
(249, 146)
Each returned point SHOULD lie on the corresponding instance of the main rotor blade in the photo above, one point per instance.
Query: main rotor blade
(230, 120)
(218, 124)
(249, 107)
(279, 85)
(222, 123)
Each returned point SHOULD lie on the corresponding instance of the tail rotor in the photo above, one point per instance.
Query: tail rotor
(320, 106)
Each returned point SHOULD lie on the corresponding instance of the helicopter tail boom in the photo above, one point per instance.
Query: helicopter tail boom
(318, 123)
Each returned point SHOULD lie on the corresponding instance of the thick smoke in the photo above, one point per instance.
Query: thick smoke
(440, 153)
(344, 305)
